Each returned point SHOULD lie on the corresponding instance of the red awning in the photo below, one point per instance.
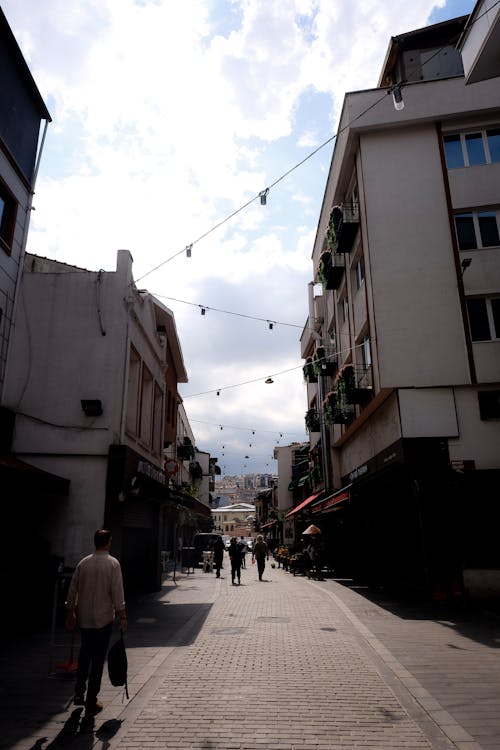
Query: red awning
(268, 525)
(303, 504)
(332, 502)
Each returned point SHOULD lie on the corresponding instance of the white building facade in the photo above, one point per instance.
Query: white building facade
(403, 337)
(92, 378)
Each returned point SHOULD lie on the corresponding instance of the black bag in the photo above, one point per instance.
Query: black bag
(117, 664)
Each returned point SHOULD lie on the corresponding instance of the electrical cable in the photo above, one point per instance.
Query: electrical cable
(228, 312)
(273, 375)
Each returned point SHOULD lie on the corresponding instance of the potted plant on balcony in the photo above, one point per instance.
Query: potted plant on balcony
(312, 421)
(323, 366)
(334, 223)
(309, 372)
(345, 383)
(324, 266)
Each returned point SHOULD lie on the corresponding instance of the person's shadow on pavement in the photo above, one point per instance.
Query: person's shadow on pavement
(77, 733)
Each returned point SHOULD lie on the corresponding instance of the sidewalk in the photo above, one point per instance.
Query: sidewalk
(286, 664)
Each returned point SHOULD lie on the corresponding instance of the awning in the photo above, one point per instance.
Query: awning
(332, 502)
(268, 524)
(16, 475)
(303, 504)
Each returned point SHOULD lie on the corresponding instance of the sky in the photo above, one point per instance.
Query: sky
(167, 118)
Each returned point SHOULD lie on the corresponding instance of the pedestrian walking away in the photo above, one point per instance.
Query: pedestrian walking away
(244, 549)
(259, 552)
(95, 596)
(218, 550)
(234, 552)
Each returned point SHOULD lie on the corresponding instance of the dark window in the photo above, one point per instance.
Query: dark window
(489, 404)
(494, 144)
(465, 231)
(488, 228)
(8, 211)
(475, 148)
(453, 151)
(478, 319)
(495, 309)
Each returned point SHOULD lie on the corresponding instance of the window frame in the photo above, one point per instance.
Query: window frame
(475, 214)
(462, 136)
(359, 273)
(494, 329)
(8, 217)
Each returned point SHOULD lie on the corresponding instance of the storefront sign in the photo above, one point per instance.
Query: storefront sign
(150, 471)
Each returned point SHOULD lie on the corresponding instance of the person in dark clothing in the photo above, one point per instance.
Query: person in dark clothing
(235, 557)
(244, 549)
(218, 550)
(259, 552)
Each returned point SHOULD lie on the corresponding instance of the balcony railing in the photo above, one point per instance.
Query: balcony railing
(343, 227)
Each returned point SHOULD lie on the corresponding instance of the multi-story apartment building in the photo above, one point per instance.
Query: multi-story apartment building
(402, 344)
(92, 380)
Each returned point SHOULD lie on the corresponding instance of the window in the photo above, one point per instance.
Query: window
(360, 273)
(134, 372)
(366, 352)
(489, 404)
(145, 419)
(344, 306)
(472, 149)
(484, 318)
(478, 229)
(8, 212)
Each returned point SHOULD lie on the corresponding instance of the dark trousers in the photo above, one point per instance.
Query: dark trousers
(261, 564)
(236, 570)
(91, 659)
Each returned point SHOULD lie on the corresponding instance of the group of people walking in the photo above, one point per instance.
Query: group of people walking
(237, 553)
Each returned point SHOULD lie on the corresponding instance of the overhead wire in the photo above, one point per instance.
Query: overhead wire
(228, 312)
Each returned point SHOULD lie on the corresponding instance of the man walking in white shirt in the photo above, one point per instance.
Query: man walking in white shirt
(95, 596)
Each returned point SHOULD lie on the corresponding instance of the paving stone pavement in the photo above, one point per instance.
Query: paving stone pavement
(283, 664)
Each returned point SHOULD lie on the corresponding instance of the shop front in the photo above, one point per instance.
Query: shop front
(149, 517)
(403, 520)
(136, 492)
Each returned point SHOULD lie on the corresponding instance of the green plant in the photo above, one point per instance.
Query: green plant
(325, 263)
(333, 227)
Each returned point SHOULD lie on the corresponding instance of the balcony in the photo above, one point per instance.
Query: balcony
(343, 227)
(330, 270)
(355, 382)
(312, 420)
(325, 361)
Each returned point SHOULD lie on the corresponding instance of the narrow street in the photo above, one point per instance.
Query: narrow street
(286, 664)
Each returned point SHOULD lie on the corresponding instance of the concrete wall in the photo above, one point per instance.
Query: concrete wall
(416, 311)
(377, 434)
(478, 440)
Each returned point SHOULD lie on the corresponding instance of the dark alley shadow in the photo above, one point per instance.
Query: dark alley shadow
(474, 619)
(32, 691)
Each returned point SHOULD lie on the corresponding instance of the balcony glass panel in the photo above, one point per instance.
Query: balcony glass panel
(489, 229)
(465, 231)
(453, 151)
(475, 149)
(494, 144)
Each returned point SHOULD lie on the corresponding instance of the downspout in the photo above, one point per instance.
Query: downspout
(24, 242)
